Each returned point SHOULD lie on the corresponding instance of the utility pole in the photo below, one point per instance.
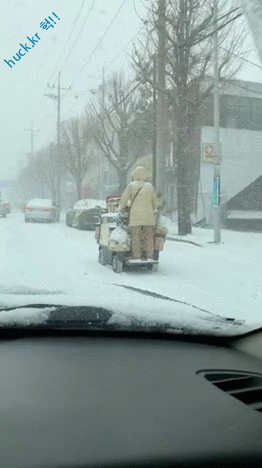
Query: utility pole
(217, 158)
(32, 135)
(103, 90)
(161, 101)
(58, 141)
(57, 97)
(100, 157)
(154, 146)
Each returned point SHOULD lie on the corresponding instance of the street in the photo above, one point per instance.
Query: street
(39, 259)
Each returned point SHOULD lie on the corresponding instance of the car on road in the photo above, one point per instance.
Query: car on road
(41, 210)
(83, 215)
(8, 207)
(3, 208)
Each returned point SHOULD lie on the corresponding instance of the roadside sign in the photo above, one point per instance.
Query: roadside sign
(208, 152)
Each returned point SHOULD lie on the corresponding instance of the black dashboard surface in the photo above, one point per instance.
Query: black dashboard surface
(101, 400)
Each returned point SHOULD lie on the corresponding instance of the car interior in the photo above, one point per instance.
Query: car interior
(106, 398)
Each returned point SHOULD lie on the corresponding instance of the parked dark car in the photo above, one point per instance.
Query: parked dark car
(83, 215)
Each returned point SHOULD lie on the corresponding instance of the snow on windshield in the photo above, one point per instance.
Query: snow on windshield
(25, 317)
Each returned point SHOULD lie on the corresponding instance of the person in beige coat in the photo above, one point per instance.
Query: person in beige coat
(143, 201)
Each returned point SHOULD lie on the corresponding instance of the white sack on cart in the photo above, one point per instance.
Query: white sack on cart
(119, 235)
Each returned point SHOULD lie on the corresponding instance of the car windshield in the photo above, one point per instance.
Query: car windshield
(131, 168)
(90, 204)
(80, 204)
(40, 202)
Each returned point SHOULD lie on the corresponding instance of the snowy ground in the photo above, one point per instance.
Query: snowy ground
(42, 259)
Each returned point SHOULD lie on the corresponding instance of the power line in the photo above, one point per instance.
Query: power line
(124, 98)
(219, 28)
(86, 91)
(138, 84)
(236, 85)
(89, 90)
(68, 39)
(101, 40)
(136, 12)
(243, 58)
(124, 49)
(79, 33)
(228, 13)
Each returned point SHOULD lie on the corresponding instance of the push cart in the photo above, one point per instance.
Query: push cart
(116, 252)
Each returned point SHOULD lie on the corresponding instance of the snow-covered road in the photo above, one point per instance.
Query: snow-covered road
(44, 258)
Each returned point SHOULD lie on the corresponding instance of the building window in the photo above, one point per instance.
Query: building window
(207, 113)
(231, 111)
(256, 114)
(235, 112)
(244, 112)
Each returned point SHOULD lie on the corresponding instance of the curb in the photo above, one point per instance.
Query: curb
(185, 241)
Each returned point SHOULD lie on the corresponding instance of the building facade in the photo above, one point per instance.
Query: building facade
(241, 149)
(241, 144)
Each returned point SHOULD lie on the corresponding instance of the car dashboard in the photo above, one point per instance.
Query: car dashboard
(98, 400)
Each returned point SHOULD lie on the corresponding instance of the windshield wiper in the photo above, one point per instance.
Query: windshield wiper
(59, 316)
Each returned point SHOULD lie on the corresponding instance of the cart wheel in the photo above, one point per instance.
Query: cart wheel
(117, 264)
(101, 257)
(155, 267)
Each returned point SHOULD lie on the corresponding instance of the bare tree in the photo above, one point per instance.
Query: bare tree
(119, 126)
(37, 178)
(31, 179)
(47, 162)
(27, 185)
(76, 149)
(188, 31)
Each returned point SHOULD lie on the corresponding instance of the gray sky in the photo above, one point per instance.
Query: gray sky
(23, 86)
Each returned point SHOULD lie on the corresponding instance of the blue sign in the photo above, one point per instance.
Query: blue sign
(216, 191)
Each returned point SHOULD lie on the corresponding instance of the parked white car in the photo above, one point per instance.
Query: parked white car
(41, 210)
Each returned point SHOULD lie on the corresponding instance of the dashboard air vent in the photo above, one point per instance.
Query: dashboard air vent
(245, 386)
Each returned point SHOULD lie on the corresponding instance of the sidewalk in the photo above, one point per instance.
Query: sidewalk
(199, 237)
(184, 239)
(204, 237)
